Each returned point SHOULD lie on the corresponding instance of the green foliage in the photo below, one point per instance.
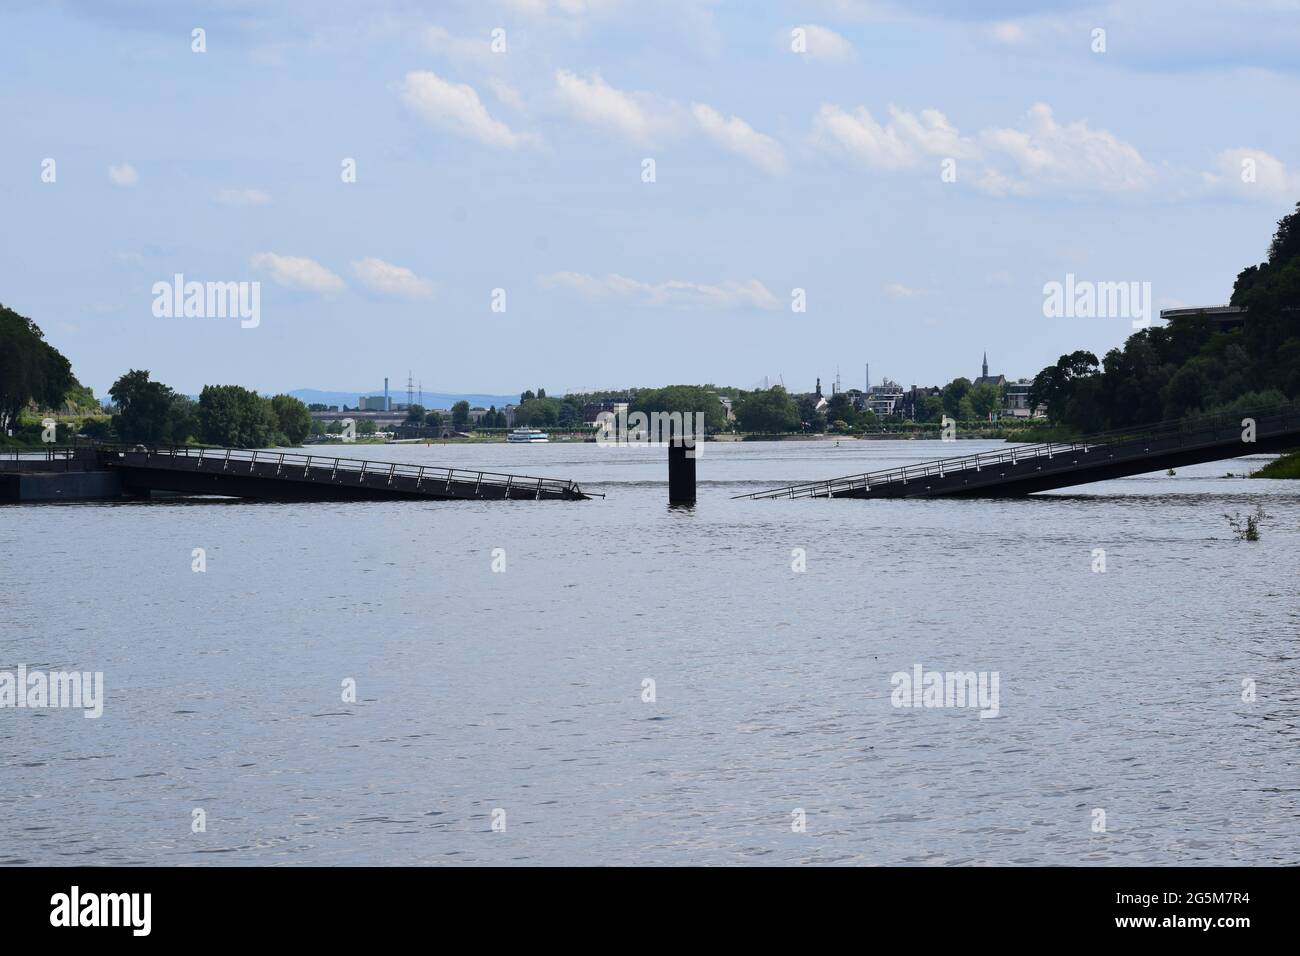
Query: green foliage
(1189, 366)
(682, 398)
(929, 408)
(985, 399)
(460, 413)
(237, 417)
(770, 410)
(539, 413)
(81, 398)
(145, 409)
(294, 418)
(1247, 528)
(366, 427)
(415, 414)
(953, 393)
(1288, 466)
(810, 418)
(31, 370)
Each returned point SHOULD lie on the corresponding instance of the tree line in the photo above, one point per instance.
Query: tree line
(30, 369)
(1191, 365)
(151, 412)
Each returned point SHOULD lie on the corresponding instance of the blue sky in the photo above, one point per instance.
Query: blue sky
(522, 170)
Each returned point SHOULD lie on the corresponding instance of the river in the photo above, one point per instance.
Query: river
(521, 697)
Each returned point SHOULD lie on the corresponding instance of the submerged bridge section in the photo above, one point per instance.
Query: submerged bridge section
(266, 475)
(1025, 469)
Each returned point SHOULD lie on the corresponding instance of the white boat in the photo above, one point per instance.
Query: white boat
(527, 436)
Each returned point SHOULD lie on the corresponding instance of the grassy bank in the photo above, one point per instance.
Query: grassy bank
(1288, 466)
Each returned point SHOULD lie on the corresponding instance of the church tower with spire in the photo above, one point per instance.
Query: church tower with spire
(987, 379)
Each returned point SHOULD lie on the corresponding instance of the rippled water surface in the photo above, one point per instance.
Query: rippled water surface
(522, 690)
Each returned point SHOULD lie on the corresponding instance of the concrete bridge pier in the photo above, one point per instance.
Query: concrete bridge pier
(681, 473)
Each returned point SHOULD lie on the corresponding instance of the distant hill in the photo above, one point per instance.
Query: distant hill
(314, 396)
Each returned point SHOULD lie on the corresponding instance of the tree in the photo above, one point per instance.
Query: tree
(953, 393)
(840, 409)
(237, 417)
(433, 418)
(366, 427)
(145, 409)
(293, 417)
(31, 370)
(460, 413)
(682, 398)
(539, 413)
(415, 414)
(810, 418)
(985, 399)
(770, 410)
(929, 408)
(1054, 386)
(182, 419)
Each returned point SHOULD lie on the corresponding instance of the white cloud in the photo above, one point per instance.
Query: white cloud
(1045, 153)
(594, 101)
(903, 143)
(740, 138)
(384, 277)
(456, 107)
(505, 93)
(1252, 174)
(825, 44)
(297, 272)
(123, 175)
(677, 293)
(1042, 155)
(244, 197)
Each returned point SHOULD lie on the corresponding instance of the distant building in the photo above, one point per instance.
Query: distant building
(592, 411)
(820, 398)
(883, 399)
(373, 403)
(909, 402)
(728, 413)
(986, 379)
(1224, 317)
(1015, 400)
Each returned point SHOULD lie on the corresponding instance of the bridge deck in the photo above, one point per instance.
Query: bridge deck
(287, 476)
(1025, 469)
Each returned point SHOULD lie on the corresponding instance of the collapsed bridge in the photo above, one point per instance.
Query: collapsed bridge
(112, 471)
(1025, 469)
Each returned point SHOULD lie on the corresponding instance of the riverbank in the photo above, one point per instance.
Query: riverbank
(1288, 466)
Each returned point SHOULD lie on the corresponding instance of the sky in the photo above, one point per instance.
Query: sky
(582, 194)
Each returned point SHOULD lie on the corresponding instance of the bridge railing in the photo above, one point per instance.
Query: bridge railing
(47, 458)
(1194, 429)
(292, 465)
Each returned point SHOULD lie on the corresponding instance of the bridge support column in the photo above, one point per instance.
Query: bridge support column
(681, 474)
